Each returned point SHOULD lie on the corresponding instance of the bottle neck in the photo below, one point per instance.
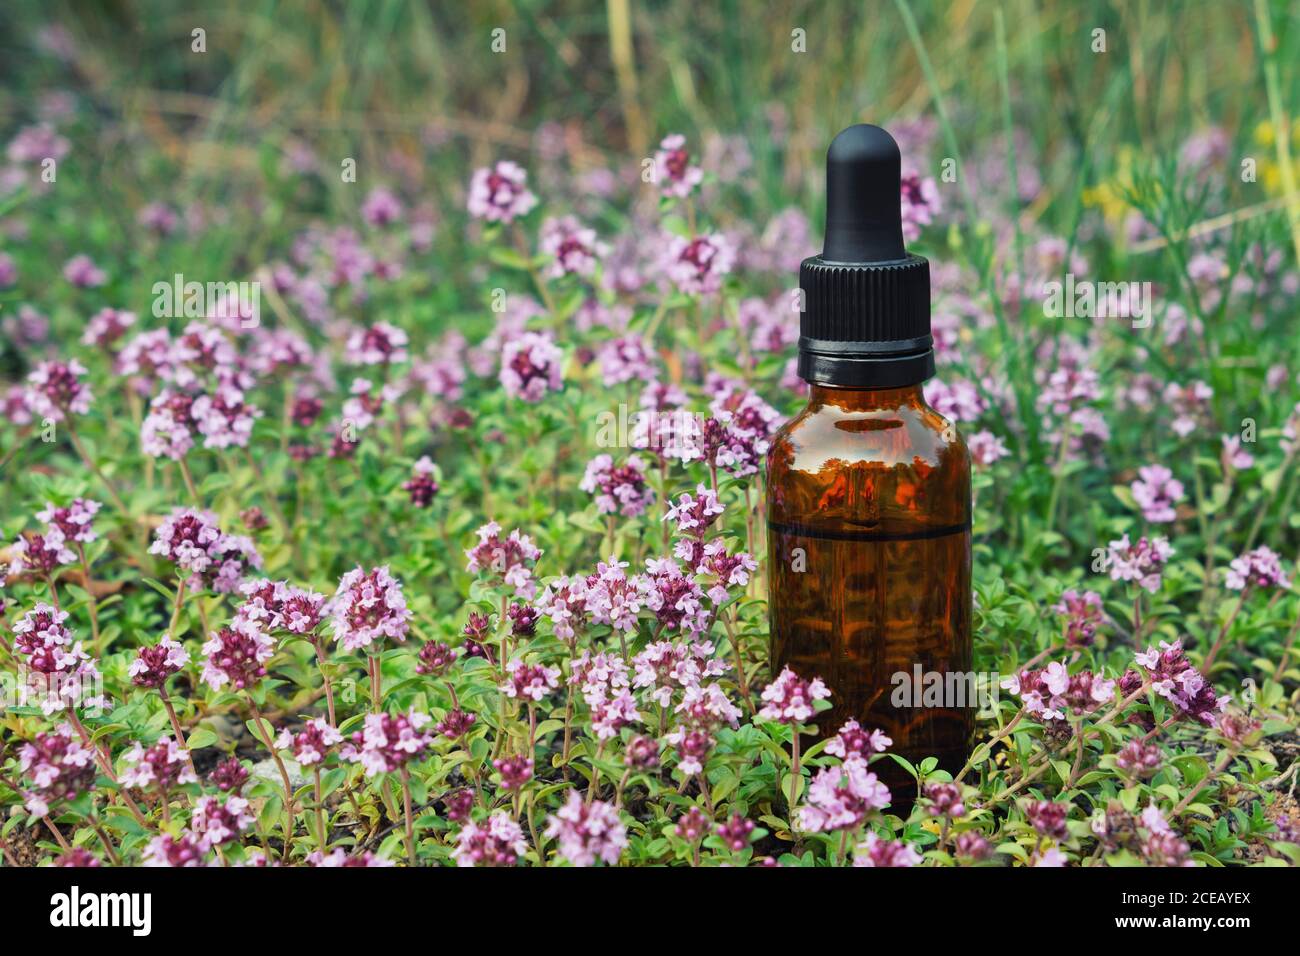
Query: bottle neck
(865, 399)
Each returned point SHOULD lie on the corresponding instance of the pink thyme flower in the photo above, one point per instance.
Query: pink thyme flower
(458, 804)
(279, 606)
(1139, 759)
(158, 217)
(1261, 568)
(1189, 405)
(874, 850)
(1233, 457)
(725, 570)
(339, 857)
(167, 850)
(500, 193)
(530, 681)
(107, 326)
(1162, 846)
(164, 765)
(603, 680)
(573, 247)
(625, 359)
(841, 798)
(523, 619)
(421, 486)
(672, 164)
(434, 658)
(642, 753)
(14, 406)
(237, 655)
(971, 846)
(378, 344)
(598, 675)
(564, 602)
(456, 724)
(57, 672)
(381, 207)
(622, 490)
(736, 832)
(153, 665)
(59, 767)
(82, 272)
(75, 522)
(223, 418)
(312, 743)
(192, 541)
(919, 203)
(789, 699)
(1068, 389)
(1082, 613)
(531, 365)
(693, 514)
(958, 400)
(668, 667)
(509, 561)
(36, 143)
(674, 596)
(693, 747)
(693, 826)
(388, 742)
(944, 800)
(1048, 818)
(852, 739)
(215, 822)
(1156, 493)
(39, 554)
(587, 832)
(1237, 729)
(168, 430)
(514, 771)
(697, 266)
(55, 390)
(77, 857)
(1173, 677)
(229, 776)
(368, 606)
(1143, 562)
(497, 842)
(1052, 693)
(986, 448)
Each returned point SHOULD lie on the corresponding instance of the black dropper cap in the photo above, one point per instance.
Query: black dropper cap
(866, 317)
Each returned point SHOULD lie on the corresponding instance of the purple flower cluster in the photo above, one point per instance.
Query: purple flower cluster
(1172, 676)
(388, 742)
(499, 841)
(367, 607)
(587, 832)
(59, 767)
(192, 541)
(622, 490)
(237, 655)
(509, 560)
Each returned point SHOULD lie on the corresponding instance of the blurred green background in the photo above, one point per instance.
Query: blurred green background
(596, 83)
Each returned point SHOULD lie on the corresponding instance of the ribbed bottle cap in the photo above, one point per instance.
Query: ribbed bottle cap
(866, 317)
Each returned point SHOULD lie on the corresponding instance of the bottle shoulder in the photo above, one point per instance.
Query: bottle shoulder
(906, 465)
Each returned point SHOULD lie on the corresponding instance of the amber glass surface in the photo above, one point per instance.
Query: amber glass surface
(869, 543)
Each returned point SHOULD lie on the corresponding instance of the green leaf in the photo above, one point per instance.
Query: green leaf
(200, 738)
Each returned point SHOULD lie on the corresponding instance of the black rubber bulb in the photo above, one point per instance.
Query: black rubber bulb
(863, 217)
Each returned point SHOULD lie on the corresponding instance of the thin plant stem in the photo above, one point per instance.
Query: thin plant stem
(410, 821)
(264, 734)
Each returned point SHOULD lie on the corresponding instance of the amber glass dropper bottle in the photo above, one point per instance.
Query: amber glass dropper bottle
(869, 506)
